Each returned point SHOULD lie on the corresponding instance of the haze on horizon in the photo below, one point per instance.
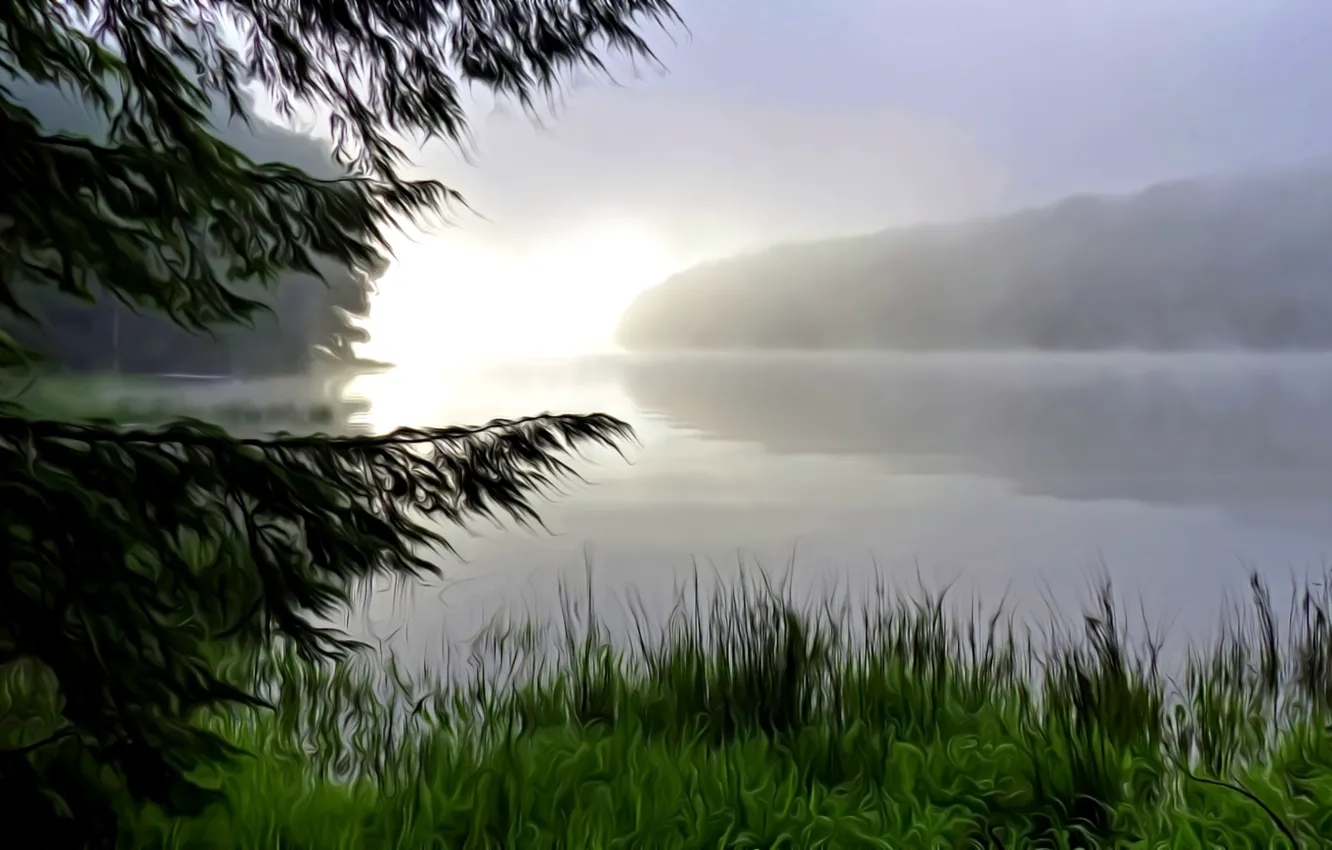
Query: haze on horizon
(781, 121)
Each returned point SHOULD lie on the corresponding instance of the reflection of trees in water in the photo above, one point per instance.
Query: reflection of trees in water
(251, 407)
(1156, 429)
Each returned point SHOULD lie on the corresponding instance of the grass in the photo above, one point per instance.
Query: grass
(748, 721)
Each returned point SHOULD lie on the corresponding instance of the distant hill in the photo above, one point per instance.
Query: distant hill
(1217, 263)
(309, 323)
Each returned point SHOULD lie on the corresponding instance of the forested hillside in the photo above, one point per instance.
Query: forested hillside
(1219, 263)
(307, 315)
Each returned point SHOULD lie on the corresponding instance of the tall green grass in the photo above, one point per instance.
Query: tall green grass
(749, 720)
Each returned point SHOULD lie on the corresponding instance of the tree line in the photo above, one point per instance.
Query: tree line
(1221, 263)
(309, 319)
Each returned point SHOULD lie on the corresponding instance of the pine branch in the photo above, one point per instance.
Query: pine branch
(129, 559)
(599, 427)
(170, 218)
(315, 515)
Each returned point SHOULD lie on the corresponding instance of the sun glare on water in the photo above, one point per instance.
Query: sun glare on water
(452, 299)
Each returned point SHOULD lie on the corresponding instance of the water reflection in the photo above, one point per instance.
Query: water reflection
(1214, 430)
(245, 406)
(443, 395)
(1023, 471)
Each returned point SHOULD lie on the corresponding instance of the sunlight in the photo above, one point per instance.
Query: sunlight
(401, 397)
(456, 299)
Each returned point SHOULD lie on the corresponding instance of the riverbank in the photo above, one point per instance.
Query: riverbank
(751, 724)
(150, 400)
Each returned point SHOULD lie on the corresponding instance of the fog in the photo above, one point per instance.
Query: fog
(1021, 474)
(940, 203)
(1214, 430)
(781, 122)
(1216, 263)
(778, 122)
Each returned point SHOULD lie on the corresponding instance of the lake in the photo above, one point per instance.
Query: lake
(1024, 474)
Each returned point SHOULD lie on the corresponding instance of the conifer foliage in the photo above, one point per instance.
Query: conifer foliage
(131, 558)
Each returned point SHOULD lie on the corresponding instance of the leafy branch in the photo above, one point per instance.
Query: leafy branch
(131, 560)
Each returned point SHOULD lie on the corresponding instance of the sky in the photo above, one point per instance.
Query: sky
(776, 121)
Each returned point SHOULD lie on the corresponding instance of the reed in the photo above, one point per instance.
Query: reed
(749, 720)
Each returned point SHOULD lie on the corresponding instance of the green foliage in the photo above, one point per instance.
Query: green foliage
(134, 559)
(310, 318)
(130, 553)
(908, 733)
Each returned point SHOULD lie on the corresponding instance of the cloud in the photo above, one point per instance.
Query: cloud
(710, 173)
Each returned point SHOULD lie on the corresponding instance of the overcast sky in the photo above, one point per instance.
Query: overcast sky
(777, 120)
(780, 118)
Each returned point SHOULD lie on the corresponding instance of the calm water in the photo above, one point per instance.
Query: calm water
(1031, 473)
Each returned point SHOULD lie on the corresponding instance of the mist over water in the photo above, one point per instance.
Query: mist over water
(1026, 474)
(1220, 430)
(874, 198)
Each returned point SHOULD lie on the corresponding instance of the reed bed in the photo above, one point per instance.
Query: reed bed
(749, 721)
